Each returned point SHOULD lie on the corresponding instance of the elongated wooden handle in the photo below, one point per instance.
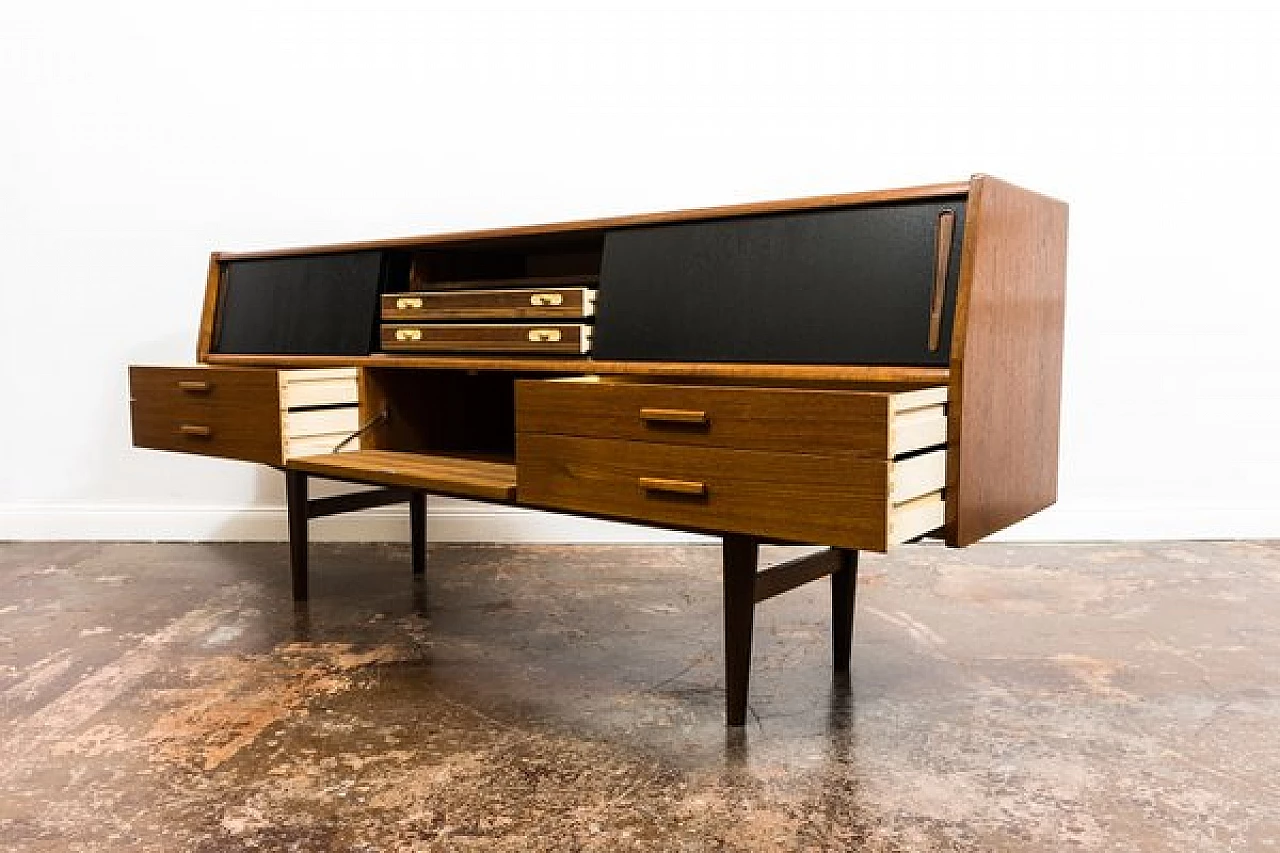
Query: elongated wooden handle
(675, 487)
(942, 262)
(196, 430)
(675, 416)
(195, 386)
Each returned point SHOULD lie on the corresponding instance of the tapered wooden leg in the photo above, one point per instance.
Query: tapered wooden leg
(739, 555)
(844, 591)
(418, 532)
(295, 485)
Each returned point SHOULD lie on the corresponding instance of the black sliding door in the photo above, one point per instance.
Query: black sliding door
(847, 286)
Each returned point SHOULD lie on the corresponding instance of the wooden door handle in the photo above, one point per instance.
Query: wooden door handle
(675, 416)
(941, 263)
(690, 488)
(195, 386)
(196, 430)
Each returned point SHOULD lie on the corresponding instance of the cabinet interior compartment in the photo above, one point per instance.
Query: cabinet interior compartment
(454, 413)
(563, 259)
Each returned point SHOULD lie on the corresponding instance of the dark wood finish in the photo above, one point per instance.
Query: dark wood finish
(295, 483)
(844, 590)
(837, 499)
(443, 475)
(233, 413)
(739, 554)
(531, 303)
(587, 226)
(1006, 381)
(553, 338)
(793, 573)
(356, 501)
(440, 412)
(791, 373)
(418, 532)
(744, 417)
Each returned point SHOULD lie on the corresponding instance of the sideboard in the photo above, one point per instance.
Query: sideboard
(852, 371)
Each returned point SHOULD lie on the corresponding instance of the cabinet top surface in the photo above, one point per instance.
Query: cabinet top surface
(586, 227)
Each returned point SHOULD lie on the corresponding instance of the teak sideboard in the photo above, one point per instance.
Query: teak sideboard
(852, 371)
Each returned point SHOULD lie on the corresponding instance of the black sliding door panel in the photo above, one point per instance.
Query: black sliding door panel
(313, 305)
(847, 286)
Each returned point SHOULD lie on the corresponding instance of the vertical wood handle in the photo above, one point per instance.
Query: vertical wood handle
(941, 263)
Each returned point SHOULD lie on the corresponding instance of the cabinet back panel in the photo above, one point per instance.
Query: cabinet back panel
(843, 286)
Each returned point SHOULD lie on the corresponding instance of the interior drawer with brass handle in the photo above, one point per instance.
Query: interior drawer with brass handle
(516, 338)
(833, 499)
(503, 304)
(875, 424)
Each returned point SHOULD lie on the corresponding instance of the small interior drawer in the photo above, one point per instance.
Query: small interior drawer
(497, 304)
(518, 338)
(875, 424)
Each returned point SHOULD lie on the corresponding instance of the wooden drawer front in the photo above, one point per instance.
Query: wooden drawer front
(873, 424)
(527, 338)
(556, 302)
(212, 411)
(841, 499)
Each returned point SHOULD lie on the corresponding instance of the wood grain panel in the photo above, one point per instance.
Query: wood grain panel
(443, 475)
(726, 416)
(596, 225)
(839, 499)
(209, 310)
(817, 373)
(534, 303)
(1006, 368)
(228, 412)
(555, 338)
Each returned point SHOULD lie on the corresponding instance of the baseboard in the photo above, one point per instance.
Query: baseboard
(476, 523)
(449, 523)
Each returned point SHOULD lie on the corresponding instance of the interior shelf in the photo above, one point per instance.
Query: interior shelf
(442, 475)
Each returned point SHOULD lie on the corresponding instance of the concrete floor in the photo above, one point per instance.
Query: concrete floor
(170, 697)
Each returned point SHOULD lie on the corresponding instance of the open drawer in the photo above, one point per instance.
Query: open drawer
(851, 468)
(250, 413)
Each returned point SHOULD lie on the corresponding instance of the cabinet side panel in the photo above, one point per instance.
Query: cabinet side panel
(209, 310)
(1006, 367)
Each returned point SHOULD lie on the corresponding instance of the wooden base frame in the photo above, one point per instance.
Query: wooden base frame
(744, 584)
(302, 510)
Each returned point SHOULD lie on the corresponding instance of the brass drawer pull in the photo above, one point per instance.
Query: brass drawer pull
(675, 416)
(195, 386)
(544, 336)
(196, 430)
(539, 299)
(691, 488)
(408, 302)
(408, 334)
(942, 261)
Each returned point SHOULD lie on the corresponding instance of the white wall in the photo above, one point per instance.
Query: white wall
(137, 138)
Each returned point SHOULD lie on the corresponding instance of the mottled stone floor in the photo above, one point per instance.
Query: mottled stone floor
(170, 697)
